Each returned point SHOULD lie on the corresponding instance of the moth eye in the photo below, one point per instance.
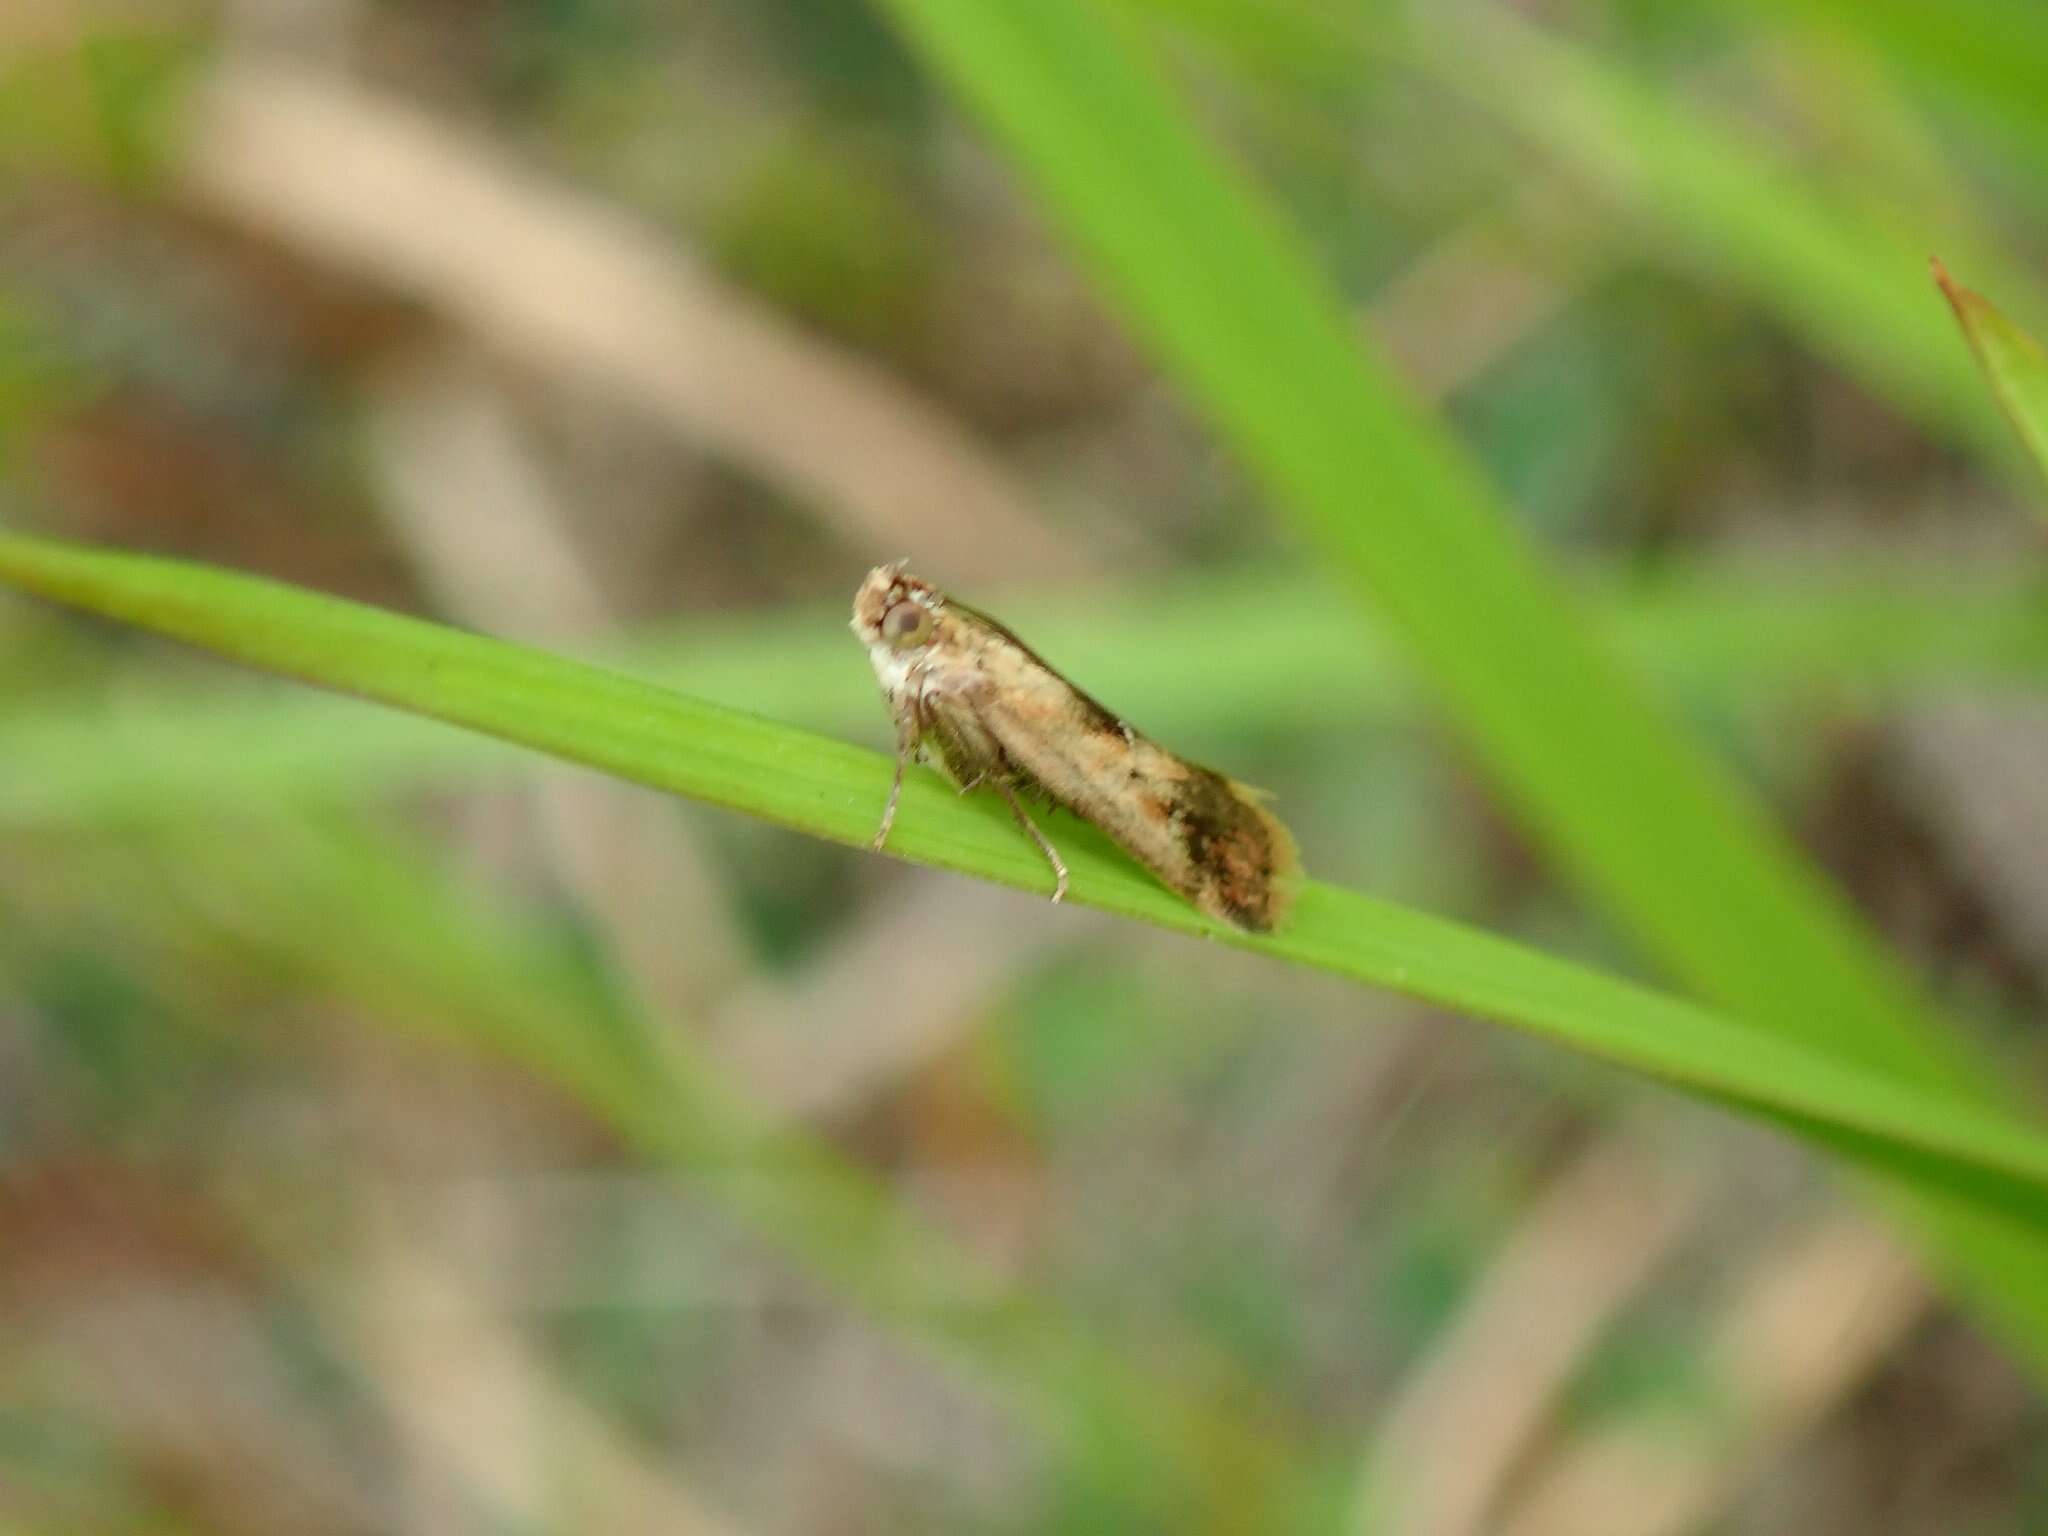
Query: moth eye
(907, 624)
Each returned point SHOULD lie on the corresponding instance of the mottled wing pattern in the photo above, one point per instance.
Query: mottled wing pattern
(1200, 833)
(971, 697)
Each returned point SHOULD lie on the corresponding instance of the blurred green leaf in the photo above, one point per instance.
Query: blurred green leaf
(1988, 57)
(2011, 359)
(669, 741)
(1840, 275)
(1226, 297)
(1835, 268)
(99, 103)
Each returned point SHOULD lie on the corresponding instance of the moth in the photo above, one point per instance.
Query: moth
(970, 698)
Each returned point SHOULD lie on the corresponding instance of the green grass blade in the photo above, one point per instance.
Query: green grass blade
(1249, 654)
(1837, 272)
(1834, 269)
(1381, 489)
(1378, 485)
(2012, 360)
(1665, 840)
(669, 741)
(1989, 58)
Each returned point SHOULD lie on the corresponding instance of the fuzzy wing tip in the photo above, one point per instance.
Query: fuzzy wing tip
(1287, 878)
(1266, 905)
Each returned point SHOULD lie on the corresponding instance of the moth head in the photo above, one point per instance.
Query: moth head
(894, 610)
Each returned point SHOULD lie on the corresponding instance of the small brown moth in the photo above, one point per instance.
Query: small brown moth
(970, 697)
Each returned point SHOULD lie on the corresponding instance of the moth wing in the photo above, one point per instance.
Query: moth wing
(1199, 832)
(955, 727)
(1203, 835)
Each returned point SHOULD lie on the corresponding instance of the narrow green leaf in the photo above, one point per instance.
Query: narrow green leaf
(1987, 57)
(1841, 275)
(669, 741)
(1246, 654)
(1381, 489)
(1833, 269)
(2011, 359)
(1664, 838)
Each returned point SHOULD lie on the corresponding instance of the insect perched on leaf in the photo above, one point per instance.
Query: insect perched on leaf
(973, 699)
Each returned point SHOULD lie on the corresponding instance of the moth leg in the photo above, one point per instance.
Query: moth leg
(1059, 868)
(909, 732)
(889, 811)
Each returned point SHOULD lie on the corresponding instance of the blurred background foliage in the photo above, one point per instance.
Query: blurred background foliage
(338, 1191)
